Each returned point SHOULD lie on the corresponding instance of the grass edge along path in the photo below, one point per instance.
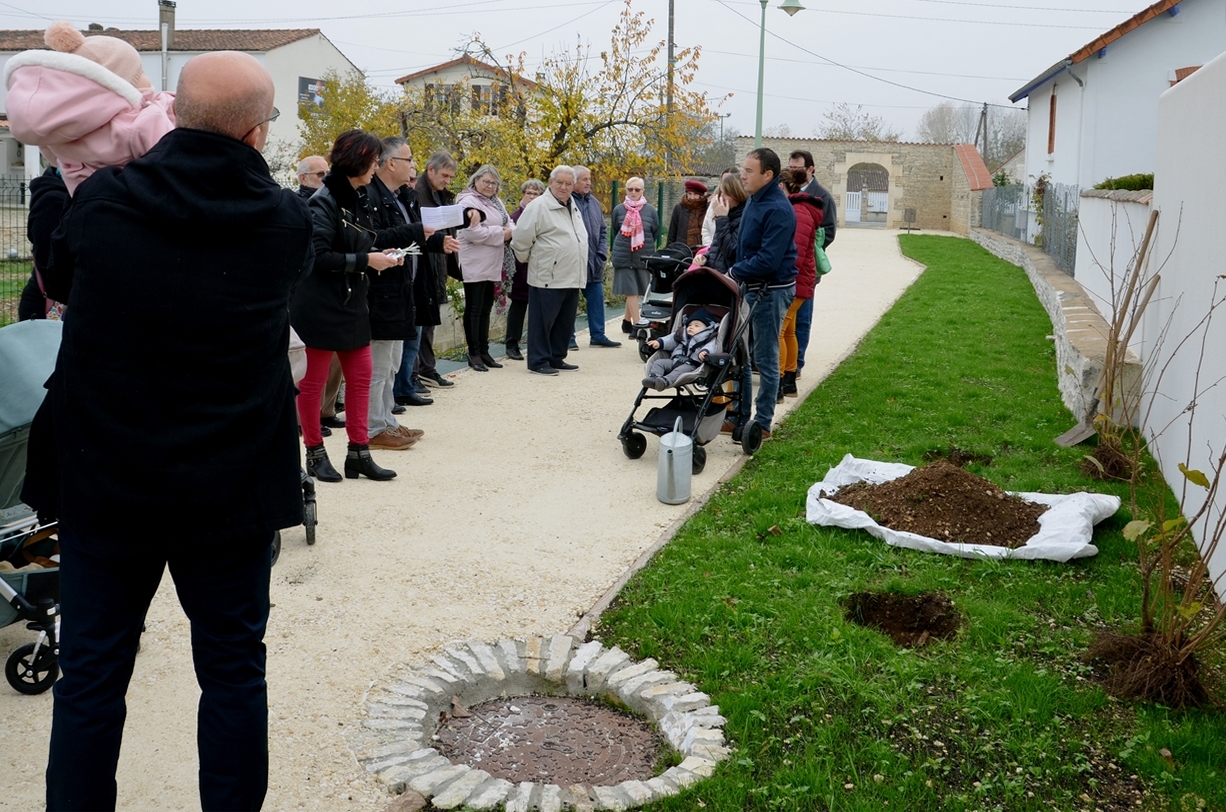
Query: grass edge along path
(827, 715)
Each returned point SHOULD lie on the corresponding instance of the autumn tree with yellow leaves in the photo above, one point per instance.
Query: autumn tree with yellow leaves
(604, 109)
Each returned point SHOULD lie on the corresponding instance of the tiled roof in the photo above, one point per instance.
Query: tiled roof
(185, 39)
(464, 60)
(1184, 73)
(1097, 44)
(977, 174)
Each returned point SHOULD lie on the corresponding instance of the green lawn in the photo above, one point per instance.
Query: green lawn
(826, 715)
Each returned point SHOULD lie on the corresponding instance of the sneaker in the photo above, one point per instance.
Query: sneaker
(564, 365)
(435, 379)
(391, 441)
(543, 370)
(419, 387)
(604, 341)
(412, 434)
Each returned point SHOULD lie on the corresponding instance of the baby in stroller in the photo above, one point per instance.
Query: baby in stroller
(687, 351)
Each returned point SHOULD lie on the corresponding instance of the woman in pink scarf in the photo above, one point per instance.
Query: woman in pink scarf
(635, 227)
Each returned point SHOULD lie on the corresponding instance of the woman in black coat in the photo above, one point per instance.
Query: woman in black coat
(728, 205)
(329, 309)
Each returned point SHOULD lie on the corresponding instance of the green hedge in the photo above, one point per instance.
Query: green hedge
(1131, 183)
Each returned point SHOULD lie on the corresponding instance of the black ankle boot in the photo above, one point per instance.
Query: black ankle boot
(358, 462)
(319, 466)
(489, 360)
(513, 351)
(788, 385)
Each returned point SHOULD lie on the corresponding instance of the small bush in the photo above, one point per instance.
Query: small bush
(1130, 183)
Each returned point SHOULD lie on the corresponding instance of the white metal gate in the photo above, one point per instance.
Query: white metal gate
(851, 213)
(878, 202)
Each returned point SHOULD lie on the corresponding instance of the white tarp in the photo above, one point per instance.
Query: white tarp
(1065, 530)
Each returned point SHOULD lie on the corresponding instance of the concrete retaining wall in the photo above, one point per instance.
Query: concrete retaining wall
(1078, 329)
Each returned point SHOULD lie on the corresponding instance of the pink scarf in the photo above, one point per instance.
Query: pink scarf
(632, 226)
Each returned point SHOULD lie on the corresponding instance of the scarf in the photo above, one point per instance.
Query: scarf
(693, 226)
(632, 226)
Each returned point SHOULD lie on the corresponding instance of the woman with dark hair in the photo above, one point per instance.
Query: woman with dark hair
(485, 260)
(809, 213)
(329, 308)
(530, 190)
(728, 205)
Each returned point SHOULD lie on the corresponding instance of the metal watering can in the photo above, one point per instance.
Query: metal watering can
(675, 467)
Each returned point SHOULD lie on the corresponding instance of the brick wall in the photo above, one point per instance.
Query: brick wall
(922, 176)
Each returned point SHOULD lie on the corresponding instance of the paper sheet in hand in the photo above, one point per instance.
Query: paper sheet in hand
(442, 216)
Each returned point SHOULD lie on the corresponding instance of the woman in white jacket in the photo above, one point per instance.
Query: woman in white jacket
(485, 260)
(552, 239)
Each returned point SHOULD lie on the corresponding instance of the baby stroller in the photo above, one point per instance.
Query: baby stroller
(29, 567)
(665, 267)
(700, 398)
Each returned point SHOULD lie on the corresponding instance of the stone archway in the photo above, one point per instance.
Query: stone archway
(868, 194)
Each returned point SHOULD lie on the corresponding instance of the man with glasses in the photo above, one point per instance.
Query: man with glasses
(597, 254)
(552, 239)
(311, 172)
(212, 423)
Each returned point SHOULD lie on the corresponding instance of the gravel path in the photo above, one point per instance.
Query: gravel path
(512, 517)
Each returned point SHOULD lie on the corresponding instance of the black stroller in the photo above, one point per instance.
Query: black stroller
(701, 398)
(656, 309)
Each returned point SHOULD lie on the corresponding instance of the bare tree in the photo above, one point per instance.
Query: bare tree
(842, 123)
(948, 124)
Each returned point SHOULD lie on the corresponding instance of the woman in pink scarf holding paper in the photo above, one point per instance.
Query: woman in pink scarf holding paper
(635, 228)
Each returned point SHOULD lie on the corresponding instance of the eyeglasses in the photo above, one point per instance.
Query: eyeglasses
(275, 115)
(319, 175)
(398, 158)
(634, 189)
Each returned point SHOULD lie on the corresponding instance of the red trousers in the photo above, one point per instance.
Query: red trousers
(356, 366)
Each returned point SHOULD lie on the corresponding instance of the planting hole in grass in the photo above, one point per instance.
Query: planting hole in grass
(552, 739)
(944, 502)
(958, 456)
(910, 621)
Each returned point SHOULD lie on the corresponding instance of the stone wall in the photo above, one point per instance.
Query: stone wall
(1078, 329)
(922, 176)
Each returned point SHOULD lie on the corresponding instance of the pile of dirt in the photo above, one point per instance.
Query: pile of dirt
(944, 502)
(911, 621)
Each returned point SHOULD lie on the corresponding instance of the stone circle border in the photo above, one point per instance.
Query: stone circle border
(395, 739)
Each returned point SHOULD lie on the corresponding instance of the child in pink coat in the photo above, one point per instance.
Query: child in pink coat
(87, 102)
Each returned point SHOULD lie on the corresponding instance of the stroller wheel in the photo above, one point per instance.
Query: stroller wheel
(634, 445)
(699, 460)
(276, 548)
(30, 674)
(309, 520)
(751, 437)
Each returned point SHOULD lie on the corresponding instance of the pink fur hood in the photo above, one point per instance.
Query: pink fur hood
(81, 113)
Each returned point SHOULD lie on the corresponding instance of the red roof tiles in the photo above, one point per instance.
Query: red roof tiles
(201, 39)
(977, 174)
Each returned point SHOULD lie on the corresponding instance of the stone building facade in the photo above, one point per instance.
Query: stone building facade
(940, 182)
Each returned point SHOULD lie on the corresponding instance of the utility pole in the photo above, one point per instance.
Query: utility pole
(668, 107)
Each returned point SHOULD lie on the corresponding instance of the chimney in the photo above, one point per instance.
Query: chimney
(166, 20)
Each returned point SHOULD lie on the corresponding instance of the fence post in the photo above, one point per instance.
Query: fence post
(613, 197)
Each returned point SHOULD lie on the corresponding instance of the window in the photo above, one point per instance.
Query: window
(1051, 123)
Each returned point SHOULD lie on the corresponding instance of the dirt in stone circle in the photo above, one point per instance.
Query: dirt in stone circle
(944, 502)
(552, 740)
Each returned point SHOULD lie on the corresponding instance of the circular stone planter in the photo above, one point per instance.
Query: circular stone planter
(395, 742)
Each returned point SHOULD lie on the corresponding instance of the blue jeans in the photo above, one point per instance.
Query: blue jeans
(404, 376)
(105, 588)
(804, 324)
(593, 295)
(767, 321)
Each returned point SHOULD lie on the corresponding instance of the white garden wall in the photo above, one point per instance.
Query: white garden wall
(1190, 175)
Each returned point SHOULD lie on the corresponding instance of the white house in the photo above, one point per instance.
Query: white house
(467, 82)
(1094, 114)
(297, 58)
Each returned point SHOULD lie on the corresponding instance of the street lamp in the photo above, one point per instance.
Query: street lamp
(791, 7)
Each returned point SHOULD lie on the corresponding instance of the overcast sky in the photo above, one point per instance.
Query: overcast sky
(975, 50)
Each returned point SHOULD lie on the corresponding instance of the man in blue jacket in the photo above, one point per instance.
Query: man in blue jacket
(767, 265)
(597, 253)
